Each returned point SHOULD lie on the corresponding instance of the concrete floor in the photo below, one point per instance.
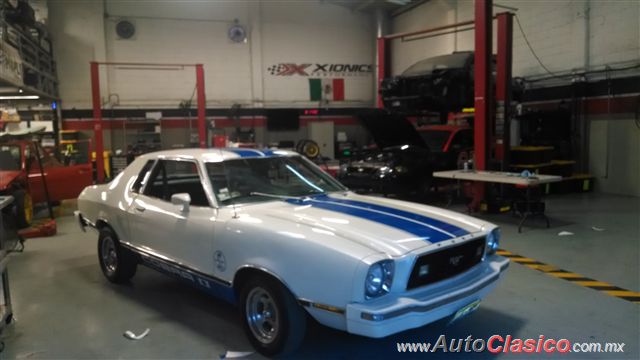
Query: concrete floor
(66, 309)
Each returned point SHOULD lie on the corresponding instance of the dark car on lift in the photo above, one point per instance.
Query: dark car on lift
(439, 84)
(399, 163)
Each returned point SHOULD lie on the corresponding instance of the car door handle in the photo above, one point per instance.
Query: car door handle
(141, 209)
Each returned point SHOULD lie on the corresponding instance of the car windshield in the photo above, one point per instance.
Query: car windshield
(260, 179)
(435, 139)
(10, 158)
(427, 66)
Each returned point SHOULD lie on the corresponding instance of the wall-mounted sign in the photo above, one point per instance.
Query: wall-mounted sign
(10, 64)
(320, 70)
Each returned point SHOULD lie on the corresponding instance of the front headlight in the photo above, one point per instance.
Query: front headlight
(384, 171)
(344, 168)
(493, 241)
(379, 279)
(401, 169)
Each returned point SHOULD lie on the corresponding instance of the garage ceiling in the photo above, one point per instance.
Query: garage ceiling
(392, 6)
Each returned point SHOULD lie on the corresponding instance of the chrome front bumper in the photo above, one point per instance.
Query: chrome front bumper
(394, 313)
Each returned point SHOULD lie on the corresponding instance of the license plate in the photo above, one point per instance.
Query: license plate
(468, 309)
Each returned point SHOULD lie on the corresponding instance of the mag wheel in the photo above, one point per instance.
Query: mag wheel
(273, 320)
(24, 208)
(118, 265)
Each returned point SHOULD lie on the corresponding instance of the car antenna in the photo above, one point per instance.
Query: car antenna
(226, 177)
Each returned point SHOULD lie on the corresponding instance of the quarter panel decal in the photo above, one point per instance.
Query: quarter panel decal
(208, 284)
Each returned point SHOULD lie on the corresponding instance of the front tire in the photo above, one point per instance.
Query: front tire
(118, 265)
(272, 318)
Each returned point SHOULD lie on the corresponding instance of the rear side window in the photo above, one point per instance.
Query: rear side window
(171, 177)
(142, 176)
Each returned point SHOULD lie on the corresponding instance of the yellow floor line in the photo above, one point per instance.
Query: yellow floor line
(577, 279)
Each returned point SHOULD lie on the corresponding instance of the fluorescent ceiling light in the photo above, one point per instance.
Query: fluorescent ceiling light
(20, 97)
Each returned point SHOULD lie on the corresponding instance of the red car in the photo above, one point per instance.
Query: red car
(21, 177)
(451, 145)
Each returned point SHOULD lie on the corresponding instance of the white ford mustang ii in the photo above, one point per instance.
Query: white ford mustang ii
(272, 233)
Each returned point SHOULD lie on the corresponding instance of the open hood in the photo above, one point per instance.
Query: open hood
(390, 130)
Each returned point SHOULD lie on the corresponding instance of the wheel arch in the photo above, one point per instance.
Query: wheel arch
(102, 223)
(247, 272)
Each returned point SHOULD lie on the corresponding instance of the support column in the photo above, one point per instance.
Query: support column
(202, 101)
(97, 121)
(482, 90)
(503, 86)
(381, 58)
(382, 68)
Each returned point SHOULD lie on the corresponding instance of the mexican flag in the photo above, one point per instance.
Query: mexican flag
(326, 89)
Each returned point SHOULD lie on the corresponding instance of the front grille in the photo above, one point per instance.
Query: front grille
(447, 263)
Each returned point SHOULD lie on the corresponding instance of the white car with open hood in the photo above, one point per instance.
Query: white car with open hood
(271, 232)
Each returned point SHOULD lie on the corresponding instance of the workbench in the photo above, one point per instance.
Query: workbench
(505, 178)
(7, 232)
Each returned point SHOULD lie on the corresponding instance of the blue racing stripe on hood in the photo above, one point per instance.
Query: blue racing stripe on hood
(441, 225)
(415, 224)
(245, 152)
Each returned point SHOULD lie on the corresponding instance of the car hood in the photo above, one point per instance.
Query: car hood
(379, 224)
(7, 177)
(390, 130)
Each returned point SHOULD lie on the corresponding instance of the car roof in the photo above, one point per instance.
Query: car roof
(218, 154)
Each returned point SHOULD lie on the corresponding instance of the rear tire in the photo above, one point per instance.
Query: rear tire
(24, 208)
(118, 264)
(272, 318)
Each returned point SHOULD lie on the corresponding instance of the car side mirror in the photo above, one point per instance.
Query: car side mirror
(183, 200)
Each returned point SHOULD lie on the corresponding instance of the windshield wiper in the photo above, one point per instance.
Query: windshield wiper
(282, 197)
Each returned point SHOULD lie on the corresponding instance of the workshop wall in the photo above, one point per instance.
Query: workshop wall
(614, 153)
(278, 33)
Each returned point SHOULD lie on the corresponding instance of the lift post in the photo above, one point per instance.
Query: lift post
(97, 119)
(483, 99)
(202, 130)
(503, 85)
(383, 65)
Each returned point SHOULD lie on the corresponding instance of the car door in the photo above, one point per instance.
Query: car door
(63, 182)
(182, 237)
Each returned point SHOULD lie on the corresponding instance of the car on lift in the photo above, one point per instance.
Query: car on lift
(398, 163)
(440, 84)
(21, 177)
(271, 232)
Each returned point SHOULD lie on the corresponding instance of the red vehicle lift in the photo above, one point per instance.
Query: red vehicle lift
(485, 138)
(97, 102)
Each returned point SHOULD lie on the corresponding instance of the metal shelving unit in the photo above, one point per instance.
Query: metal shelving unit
(34, 50)
(7, 232)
